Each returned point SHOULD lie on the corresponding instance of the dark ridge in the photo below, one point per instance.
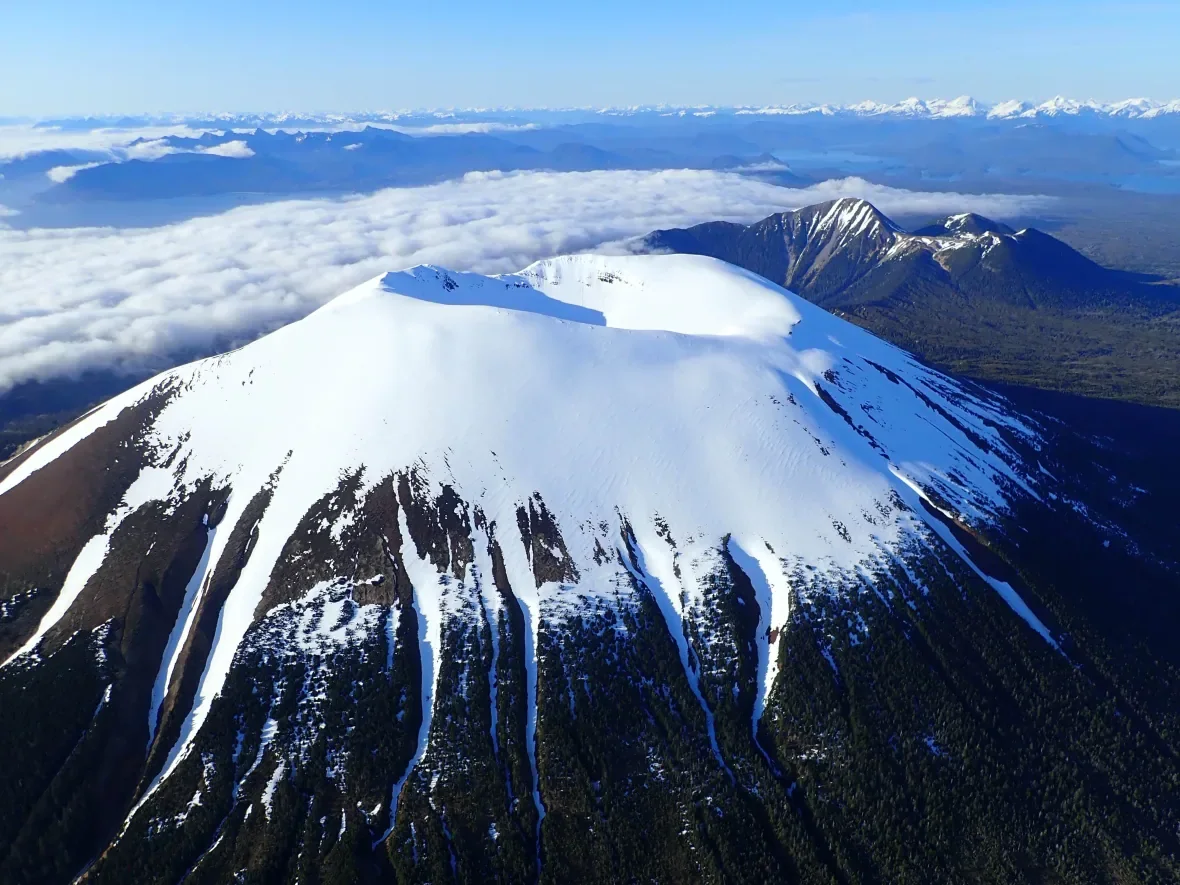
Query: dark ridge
(311, 554)
(969, 223)
(440, 525)
(138, 591)
(39, 408)
(512, 701)
(190, 664)
(47, 519)
(984, 557)
(543, 543)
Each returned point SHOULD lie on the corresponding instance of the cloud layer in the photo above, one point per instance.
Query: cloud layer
(23, 140)
(58, 174)
(145, 142)
(91, 298)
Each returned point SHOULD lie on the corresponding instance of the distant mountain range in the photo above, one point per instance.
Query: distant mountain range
(85, 171)
(965, 106)
(962, 106)
(788, 151)
(966, 293)
(279, 162)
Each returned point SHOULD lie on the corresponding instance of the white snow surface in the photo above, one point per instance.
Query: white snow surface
(268, 792)
(179, 633)
(89, 559)
(674, 385)
(429, 589)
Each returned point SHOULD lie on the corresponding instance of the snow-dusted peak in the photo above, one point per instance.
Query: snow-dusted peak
(912, 105)
(963, 106)
(1171, 107)
(964, 226)
(1131, 107)
(850, 217)
(1061, 106)
(867, 107)
(1008, 109)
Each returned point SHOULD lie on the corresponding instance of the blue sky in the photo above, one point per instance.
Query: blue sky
(80, 56)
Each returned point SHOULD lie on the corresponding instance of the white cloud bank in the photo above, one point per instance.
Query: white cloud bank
(153, 150)
(146, 142)
(58, 174)
(99, 298)
(238, 150)
(18, 141)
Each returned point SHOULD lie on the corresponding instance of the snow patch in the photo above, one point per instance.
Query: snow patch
(268, 793)
(750, 561)
(179, 633)
(1004, 589)
(89, 558)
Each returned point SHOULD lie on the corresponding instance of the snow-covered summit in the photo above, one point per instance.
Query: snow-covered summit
(652, 397)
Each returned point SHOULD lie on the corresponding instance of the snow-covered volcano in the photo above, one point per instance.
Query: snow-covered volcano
(676, 390)
(518, 456)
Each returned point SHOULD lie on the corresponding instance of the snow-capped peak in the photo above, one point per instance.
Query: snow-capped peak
(1131, 107)
(1059, 104)
(665, 395)
(1007, 109)
(911, 105)
(964, 106)
(1161, 109)
(850, 217)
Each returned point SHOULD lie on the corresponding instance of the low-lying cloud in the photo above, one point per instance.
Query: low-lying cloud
(483, 128)
(239, 150)
(58, 174)
(18, 141)
(127, 300)
(147, 142)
